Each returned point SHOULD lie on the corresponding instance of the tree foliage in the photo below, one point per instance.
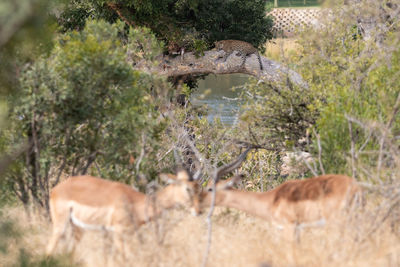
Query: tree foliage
(357, 74)
(84, 110)
(278, 114)
(350, 110)
(181, 23)
(238, 19)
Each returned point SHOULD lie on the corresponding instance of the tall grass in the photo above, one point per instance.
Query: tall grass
(179, 239)
(23, 239)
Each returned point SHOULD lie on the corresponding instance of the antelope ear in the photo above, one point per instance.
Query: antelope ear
(183, 175)
(168, 178)
(230, 183)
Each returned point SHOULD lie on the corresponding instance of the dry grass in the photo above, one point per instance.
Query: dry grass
(31, 235)
(238, 240)
(280, 48)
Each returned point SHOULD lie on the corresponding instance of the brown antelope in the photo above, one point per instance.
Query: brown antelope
(90, 203)
(295, 203)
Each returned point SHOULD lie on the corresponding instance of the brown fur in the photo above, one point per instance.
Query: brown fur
(293, 202)
(310, 189)
(106, 205)
(244, 48)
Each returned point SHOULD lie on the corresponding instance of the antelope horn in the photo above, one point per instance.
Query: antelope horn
(231, 166)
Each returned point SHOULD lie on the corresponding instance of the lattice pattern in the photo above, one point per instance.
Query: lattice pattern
(289, 20)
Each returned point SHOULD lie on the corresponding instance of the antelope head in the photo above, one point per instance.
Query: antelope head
(183, 190)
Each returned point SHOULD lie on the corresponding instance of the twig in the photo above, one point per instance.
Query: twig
(218, 172)
(36, 151)
(384, 218)
(209, 224)
(353, 168)
(64, 163)
(319, 152)
(366, 141)
(178, 159)
(60, 170)
(142, 151)
(75, 167)
(314, 172)
(194, 149)
(98, 168)
(386, 130)
(165, 154)
(90, 160)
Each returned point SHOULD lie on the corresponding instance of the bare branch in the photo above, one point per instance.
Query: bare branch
(209, 225)
(64, 162)
(395, 203)
(366, 141)
(321, 166)
(36, 158)
(166, 153)
(352, 151)
(198, 155)
(312, 169)
(386, 131)
(178, 159)
(90, 160)
(60, 170)
(142, 151)
(194, 149)
(98, 168)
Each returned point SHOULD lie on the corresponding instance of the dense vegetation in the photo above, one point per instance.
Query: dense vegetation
(72, 104)
(83, 105)
(352, 100)
(192, 24)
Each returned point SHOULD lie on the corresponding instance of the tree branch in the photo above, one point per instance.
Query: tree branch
(386, 131)
(209, 226)
(117, 10)
(91, 158)
(211, 62)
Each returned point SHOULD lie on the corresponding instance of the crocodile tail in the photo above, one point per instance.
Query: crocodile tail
(259, 60)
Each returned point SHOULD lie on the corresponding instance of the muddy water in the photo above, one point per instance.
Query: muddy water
(219, 93)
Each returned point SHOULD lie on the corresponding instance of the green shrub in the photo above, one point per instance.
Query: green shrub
(356, 83)
(84, 109)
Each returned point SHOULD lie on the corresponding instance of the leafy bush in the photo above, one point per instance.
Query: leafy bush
(351, 106)
(356, 75)
(278, 114)
(84, 110)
